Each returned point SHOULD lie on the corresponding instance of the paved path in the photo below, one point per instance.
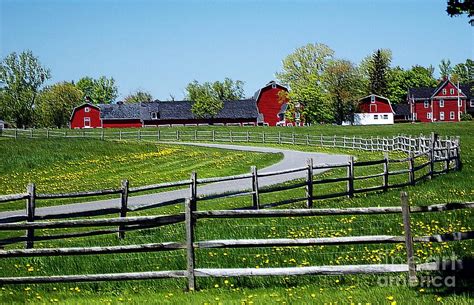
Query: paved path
(291, 159)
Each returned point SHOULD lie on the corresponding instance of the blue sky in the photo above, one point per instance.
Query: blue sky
(160, 46)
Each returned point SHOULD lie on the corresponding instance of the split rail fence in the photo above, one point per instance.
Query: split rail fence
(425, 151)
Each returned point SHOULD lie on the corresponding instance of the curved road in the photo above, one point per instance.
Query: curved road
(291, 159)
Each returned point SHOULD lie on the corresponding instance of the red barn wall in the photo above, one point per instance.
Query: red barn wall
(136, 123)
(77, 120)
(269, 105)
(383, 106)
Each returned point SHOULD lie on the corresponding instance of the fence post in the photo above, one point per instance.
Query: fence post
(31, 133)
(334, 141)
(230, 134)
(30, 214)
(344, 141)
(195, 135)
(322, 140)
(448, 155)
(385, 172)
(177, 135)
(248, 136)
(433, 139)
(213, 135)
(16, 133)
(190, 223)
(309, 185)
(193, 190)
(408, 238)
(458, 153)
(307, 139)
(293, 138)
(123, 206)
(411, 168)
(255, 195)
(279, 137)
(350, 178)
(120, 135)
(102, 134)
(263, 137)
(47, 133)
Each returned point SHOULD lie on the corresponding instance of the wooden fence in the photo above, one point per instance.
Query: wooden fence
(191, 219)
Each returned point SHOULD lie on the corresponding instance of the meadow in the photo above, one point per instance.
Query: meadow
(37, 158)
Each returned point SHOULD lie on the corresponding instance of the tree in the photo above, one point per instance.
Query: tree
(378, 69)
(400, 80)
(21, 77)
(99, 91)
(208, 97)
(55, 104)
(464, 72)
(138, 97)
(302, 71)
(445, 69)
(459, 7)
(342, 82)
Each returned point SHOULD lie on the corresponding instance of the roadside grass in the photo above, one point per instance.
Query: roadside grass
(453, 187)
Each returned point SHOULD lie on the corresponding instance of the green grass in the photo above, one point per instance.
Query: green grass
(453, 187)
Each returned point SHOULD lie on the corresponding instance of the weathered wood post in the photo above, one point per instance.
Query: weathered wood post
(177, 135)
(263, 137)
(279, 137)
(411, 168)
(31, 133)
(350, 178)
(309, 184)
(334, 141)
(458, 153)
(344, 141)
(16, 133)
(139, 134)
(248, 136)
(190, 221)
(102, 135)
(293, 140)
(307, 139)
(448, 155)
(231, 138)
(255, 194)
(195, 134)
(433, 140)
(213, 136)
(120, 135)
(385, 172)
(47, 133)
(322, 143)
(193, 190)
(30, 214)
(123, 206)
(408, 238)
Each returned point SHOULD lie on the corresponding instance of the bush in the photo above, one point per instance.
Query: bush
(466, 117)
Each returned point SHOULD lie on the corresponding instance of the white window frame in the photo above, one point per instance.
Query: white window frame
(451, 91)
(472, 103)
(88, 120)
(372, 99)
(87, 109)
(376, 116)
(426, 104)
(385, 116)
(154, 116)
(451, 115)
(274, 86)
(445, 91)
(460, 103)
(441, 116)
(429, 115)
(441, 103)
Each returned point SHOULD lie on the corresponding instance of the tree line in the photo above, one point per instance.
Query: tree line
(327, 86)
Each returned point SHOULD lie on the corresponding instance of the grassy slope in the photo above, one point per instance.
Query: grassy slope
(447, 188)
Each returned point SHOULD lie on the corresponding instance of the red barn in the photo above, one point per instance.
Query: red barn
(445, 103)
(269, 107)
(374, 110)
(86, 116)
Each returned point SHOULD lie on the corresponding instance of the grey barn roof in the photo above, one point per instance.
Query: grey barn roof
(427, 92)
(177, 110)
(401, 109)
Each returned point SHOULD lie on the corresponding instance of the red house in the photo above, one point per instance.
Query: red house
(269, 107)
(374, 110)
(86, 116)
(446, 103)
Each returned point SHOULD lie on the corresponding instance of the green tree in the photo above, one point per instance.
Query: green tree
(342, 82)
(367, 69)
(302, 71)
(400, 80)
(21, 77)
(459, 7)
(208, 97)
(464, 72)
(55, 104)
(138, 97)
(378, 70)
(99, 91)
(445, 69)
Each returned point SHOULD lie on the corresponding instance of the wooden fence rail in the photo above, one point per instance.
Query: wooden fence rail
(191, 216)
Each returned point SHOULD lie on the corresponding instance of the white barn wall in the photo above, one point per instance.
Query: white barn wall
(368, 119)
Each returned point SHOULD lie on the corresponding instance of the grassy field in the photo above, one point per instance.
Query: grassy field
(454, 187)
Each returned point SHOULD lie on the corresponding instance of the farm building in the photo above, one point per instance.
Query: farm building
(374, 110)
(86, 116)
(445, 103)
(264, 109)
(402, 113)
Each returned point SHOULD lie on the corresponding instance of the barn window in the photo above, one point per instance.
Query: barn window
(460, 103)
(87, 109)
(428, 115)
(444, 91)
(372, 99)
(441, 103)
(451, 91)
(376, 116)
(385, 116)
(426, 104)
(451, 115)
(274, 86)
(441, 116)
(472, 103)
(155, 115)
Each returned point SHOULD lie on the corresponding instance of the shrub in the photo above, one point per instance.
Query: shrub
(466, 117)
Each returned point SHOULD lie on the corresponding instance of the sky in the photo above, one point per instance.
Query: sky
(161, 46)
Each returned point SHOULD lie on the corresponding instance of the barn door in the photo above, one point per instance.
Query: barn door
(373, 108)
(87, 122)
